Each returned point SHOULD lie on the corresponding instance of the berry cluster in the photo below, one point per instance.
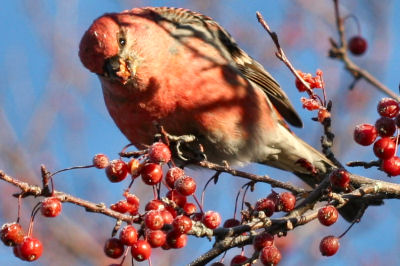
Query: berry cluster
(385, 147)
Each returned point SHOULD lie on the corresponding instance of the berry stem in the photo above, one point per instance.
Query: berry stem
(33, 214)
(71, 168)
(198, 203)
(19, 208)
(356, 20)
(348, 229)
(216, 175)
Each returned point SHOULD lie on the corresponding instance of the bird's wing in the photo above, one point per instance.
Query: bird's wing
(247, 66)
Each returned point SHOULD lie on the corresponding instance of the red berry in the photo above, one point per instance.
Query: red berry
(340, 178)
(12, 234)
(177, 197)
(270, 255)
(128, 235)
(266, 205)
(328, 215)
(189, 208)
(231, 223)
(134, 203)
(30, 249)
(365, 134)
(391, 166)
(176, 240)
(114, 248)
(211, 219)
(323, 114)
(154, 220)
(159, 153)
(329, 245)
(157, 205)
(388, 107)
(238, 260)
(17, 252)
(288, 201)
(185, 185)
(116, 171)
(171, 210)
(384, 148)
(167, 216)
(198, 216)
(121, 206)
(141, 250)
(134, 167)
(262, 240)
(151, 173)
(51, 207)
(172, 175)
(156, 238)
(357, 45)
(100, 161)
(182, 224)
(385, 126)
(274, 196)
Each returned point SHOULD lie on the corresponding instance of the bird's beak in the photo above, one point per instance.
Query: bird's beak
(117, 68)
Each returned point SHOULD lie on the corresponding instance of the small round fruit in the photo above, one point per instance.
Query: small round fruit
(172, 175)
(270, 255)
(185, 185)
(121, 206)
(154, 220)
(288, 201)
(128, 235)
(231, 223)
(116, 171)
(151, 173)
(211, 219)
(385, 126)
(274, 196)
(167, 216)
(328, 215)
(114, 248)
(238, 260)
(388, 107)
(189, 208)
(262, 240)
(182, 224)
(340, 178)
(12, 234)
(141, 250)
(329, 245)
(177, 197)
(100, 161)
(159, 153)
(30, 249)
(176, 240)
(156, 238)
(384, 148)
(357, 45)
(51, 207)
(157, 205)
(134, 168)
(266, 205)
(391, 166)
(365, 134)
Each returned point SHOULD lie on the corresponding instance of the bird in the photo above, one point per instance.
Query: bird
(180, 69)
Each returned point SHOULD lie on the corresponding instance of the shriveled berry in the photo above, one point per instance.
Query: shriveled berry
(266, 205)
(357, 45)
(159, 153)
(30, 249)
(288, 201)
(114, 248)
(156, 238)
(176, 197)
(151, 173)
(328, 215)
(189, 208)
(388, 107)
(385, 126)
(182, 224)
(134, 167)
(365, 134)
(262, 240)
(211, 219)
(270, 255)
(238, 260)
(154, 220)
(185, 185)
(176, 240)
(231, 223)
(100, 161)
(340, 178)
(391, 166)
(116, 171)
(384, 148)
(12, 234)
(121, 206)
(329, 245)
(141, 250)
(128, 235)
(172, 175)
(51, 207)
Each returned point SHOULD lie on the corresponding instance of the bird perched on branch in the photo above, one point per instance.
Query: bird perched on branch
(182, 70)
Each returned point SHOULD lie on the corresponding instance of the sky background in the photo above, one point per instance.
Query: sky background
(52, 112)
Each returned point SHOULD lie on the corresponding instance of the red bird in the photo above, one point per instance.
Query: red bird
(182, 70)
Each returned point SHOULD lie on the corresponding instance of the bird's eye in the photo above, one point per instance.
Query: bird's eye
(122, 42)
